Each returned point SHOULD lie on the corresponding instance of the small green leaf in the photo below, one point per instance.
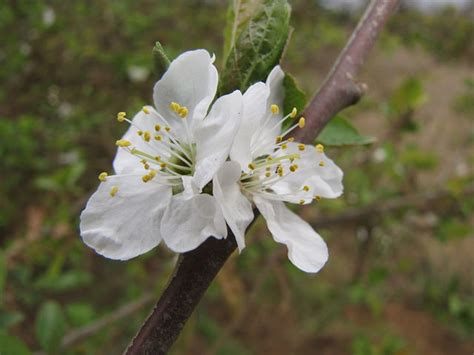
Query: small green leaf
(10, 319)
(339, 132)
(409, 96)
(294, 98)
(10, 345)
(50, 326)
(258, 47)
(161, 61)
(238, 15)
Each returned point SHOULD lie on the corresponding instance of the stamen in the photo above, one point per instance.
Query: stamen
(275, 109)
(146, 136)
(139, 132)
(146, 110)
(321, 163)
(157, 127)
(301, 147)
(123, 143)
(121, 116)
(301, 202)
(103, 176)
(278, 139)
(113, 191)
(293, 168)
(158, 137)
(251, 166)
(317, 198)
(320, 148)
(306, 188)
(293, 112)
(301, 122)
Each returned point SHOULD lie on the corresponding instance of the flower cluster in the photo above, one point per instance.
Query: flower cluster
(186, 169)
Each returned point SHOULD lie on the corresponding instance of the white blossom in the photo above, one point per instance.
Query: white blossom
(164, 160)
(268, 169)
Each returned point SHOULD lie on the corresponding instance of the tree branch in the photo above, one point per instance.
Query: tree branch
(196, 269)
(340, 89)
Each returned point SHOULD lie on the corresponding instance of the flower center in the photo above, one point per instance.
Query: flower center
(164, 155)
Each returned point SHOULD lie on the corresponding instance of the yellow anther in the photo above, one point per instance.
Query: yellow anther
(103, 176)
(251, 166)
(306, 188)
(269, 158)
(149, 176)
(146, 166)
(280, 171)
(268, 168)
(183, 112)
(121, 116)
(301, 147)
(317, 198)
(275, 109)
(145, 178)
(139, 132)
(113, 191)
(278, 139)
(291, 139)
(157, 127)
(293, 112)
(301, 202)
(284, 146)
(320, 148)
(123, 143)
(321, 163)
(293, 168)
(146, 136)
(163, 165)
(175, 106)
(145, 110)
(158, 137)
(301, 122)
(268, 174)
(167, 129)
(157, 158)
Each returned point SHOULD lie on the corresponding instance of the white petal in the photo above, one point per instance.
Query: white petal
(254, 99)
(324, 181)
(125, 162)
(306, 249)
(235, 206)
(187, 223)
(191, 81)
(214, 136)
(127, 224)
(263, 140)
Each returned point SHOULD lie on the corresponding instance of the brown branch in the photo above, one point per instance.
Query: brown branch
(340, 89)
(197, 268)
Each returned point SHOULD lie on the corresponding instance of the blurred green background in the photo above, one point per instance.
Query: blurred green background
(400, 279)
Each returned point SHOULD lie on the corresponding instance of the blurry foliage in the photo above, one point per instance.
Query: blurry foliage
(66, 68)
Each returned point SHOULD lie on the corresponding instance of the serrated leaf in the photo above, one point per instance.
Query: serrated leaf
(50, 326)
(339, 132)
(258, 47)
(161, 61)
(12, 345)
(294, 98)
(238, 15)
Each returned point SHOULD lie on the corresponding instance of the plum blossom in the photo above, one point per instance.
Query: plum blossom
(268, 169)
(163, 162)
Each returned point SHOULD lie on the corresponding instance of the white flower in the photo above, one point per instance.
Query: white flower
(164, 160)
(275, 170)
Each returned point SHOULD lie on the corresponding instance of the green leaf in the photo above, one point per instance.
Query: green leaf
(339, 132)
(258, 47)
(10, 319)
(409, 96)
(238, 15)
(294, 98)
(10, 345)
(50, 326)
(161, 61)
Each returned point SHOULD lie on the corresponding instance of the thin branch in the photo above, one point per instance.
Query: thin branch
(422, 200)
(340, 89)
(88, 330)
(197, 268)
